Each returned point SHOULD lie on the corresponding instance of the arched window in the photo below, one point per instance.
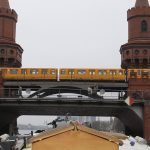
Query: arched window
(144, 26)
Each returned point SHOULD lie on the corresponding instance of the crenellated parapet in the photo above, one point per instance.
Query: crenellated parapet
(138, 12)
(11, 13)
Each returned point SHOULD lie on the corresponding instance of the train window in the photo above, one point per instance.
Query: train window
(63, 72)
(110, 72)
(44, 71)
(13, 71)
(102, 72)
(23, 71)
(120, 72)
(34, 71)
(70, 71)
(139, 72)
(81, 71)
(53, 72)
(92, 72)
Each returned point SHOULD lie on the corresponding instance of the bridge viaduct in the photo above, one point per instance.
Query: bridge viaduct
(46, 98)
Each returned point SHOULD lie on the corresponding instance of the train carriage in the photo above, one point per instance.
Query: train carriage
(29, 73)
(91, 74)
(73, 74)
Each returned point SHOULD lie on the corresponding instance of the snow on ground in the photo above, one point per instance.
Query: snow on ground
(136, 143)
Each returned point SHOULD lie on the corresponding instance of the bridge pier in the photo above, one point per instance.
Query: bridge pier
(1, 84)
(8, 123)
(147, 121)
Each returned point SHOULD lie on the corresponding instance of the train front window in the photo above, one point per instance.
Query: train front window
(63, 72)
(34, 71)
(23, 71)
(81, 72)
(53, 72)
(44, 71)
(13, 71)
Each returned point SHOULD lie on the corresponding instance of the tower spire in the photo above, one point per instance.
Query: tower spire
(4, 4)
(141, 3)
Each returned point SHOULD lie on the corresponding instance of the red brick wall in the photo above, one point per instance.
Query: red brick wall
(135, 17)
(142, 85)
(1, 85)
(147, 121)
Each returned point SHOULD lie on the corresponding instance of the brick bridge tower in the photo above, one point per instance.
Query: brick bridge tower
(10, 51)
(136, 54)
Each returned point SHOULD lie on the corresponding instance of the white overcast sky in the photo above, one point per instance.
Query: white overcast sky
(71, 33)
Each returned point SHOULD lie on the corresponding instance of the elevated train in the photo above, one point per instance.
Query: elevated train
(73, 74)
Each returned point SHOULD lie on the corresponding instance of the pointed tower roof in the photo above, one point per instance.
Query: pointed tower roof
(4, 4)
(141, 3)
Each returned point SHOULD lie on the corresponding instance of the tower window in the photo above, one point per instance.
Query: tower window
(2, 51)
(11, 52)
(145, 51)
(136, 52)
(127, 52)
(144, 26)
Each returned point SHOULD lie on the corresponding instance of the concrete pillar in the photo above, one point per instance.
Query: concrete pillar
(147, 121)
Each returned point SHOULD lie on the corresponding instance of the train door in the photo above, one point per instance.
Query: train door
(71, 74)
(113, 75)
(82, 74)
(92, 74)
(24, 74)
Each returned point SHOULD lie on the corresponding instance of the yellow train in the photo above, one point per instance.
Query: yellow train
(72, 74)
(29, 73)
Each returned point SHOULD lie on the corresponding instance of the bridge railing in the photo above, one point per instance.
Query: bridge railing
(20, 92)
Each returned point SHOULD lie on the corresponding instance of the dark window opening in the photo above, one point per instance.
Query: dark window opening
(144, 26)
(11, 60)
(137, 61)
(11, 52)
(145, 51)
(137, 52)
(127, 52)
(145, 62)
(2, 61)
(2, 51)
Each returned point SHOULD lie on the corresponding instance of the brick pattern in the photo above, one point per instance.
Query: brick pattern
(147, 121)
(10, 51)
(136, 53)
(1, 85)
